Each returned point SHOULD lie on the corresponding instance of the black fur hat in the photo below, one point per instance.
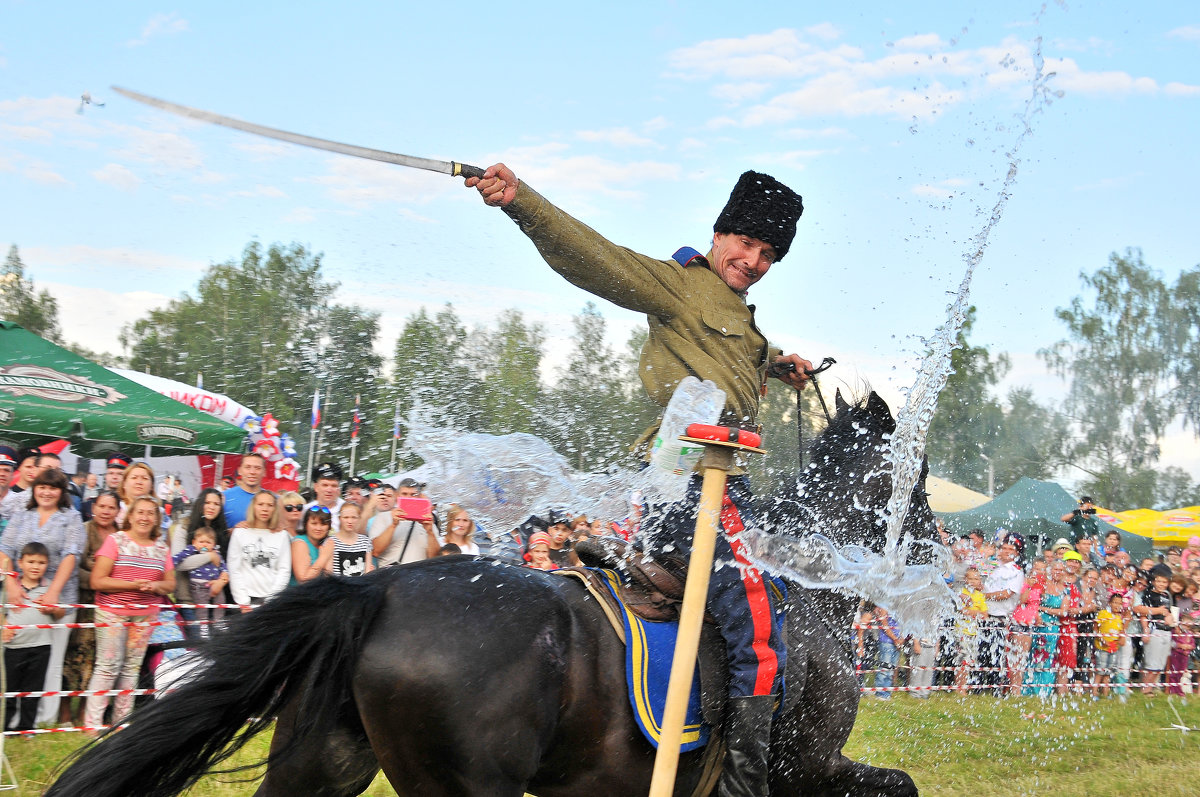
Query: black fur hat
(763, 208)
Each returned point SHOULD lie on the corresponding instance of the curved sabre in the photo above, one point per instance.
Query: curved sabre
(452, 168)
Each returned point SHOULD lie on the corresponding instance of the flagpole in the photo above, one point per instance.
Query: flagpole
(354, 437)
(312, 435)
(321, 430)
(395, 437)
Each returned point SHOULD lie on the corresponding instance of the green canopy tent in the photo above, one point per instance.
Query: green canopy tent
(47, 393)
(1033, 509)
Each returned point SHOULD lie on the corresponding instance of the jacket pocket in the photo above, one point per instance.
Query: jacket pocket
(728, 326)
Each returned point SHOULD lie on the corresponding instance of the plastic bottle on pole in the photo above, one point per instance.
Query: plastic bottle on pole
(671, 459)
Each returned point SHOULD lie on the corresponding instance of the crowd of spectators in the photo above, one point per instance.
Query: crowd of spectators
(1078, 616)
(139, 553)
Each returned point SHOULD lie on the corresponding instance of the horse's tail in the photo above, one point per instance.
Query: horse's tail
(301, 645)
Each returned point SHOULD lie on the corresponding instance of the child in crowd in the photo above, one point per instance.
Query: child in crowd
(867, 644)
(924, 657)
(539, 552)
(27, 651)
(1110, 638)
(1183, 635)
(1156, 609)
(887, 632)
(1191, 555)
(208, 581)
(972, 608)
(347, 552)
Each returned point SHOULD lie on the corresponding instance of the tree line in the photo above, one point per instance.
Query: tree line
(266, 329)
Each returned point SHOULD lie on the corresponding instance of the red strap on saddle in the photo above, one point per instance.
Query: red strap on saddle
(724, 434)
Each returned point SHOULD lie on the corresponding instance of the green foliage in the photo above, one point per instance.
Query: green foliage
(22, 303)
(263, 331)
(1130, 359)
(508, 370)
(591, 415)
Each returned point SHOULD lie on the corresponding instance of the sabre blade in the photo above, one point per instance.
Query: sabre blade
(452, 168)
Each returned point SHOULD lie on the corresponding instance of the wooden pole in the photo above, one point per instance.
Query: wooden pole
(715, 464)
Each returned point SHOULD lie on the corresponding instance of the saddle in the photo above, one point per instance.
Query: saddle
(652, 588)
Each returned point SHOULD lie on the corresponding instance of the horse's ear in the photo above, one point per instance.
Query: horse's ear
(877, 408)
(839, 403)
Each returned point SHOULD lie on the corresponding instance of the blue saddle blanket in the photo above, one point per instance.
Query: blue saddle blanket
(649, 649)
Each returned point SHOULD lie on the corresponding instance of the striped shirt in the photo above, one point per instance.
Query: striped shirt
(350, 558)
(133, 562)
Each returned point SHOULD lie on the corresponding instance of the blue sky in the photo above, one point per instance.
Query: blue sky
(896, 124)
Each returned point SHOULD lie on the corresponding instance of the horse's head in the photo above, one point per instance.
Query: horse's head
(845, 488)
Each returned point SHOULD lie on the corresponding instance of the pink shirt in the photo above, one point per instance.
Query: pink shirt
(134, 562)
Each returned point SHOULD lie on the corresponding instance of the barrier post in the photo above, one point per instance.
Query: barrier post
(715, 466)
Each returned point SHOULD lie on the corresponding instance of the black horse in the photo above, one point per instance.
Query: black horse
(467, 676)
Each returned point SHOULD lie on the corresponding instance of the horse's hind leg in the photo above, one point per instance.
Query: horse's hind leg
(332, 762)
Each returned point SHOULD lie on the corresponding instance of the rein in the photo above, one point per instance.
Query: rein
(811, 373)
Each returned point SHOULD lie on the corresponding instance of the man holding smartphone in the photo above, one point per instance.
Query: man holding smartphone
(406, 533)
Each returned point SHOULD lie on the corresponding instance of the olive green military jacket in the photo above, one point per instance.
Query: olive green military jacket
(698, 324)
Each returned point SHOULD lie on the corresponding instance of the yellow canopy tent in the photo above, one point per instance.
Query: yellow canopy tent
(1169, 527)
(946, 496)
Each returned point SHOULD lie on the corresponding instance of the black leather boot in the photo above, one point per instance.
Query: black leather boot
(747, 743)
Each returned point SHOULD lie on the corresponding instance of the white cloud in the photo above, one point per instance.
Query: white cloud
(1181, 90)
(42, 173)
(943, 189)
(736, 93)
(924, 41)
(117, 175)
(114, 260)
(790, 74)
(98, 331)
(616, 136)
(268, 191)
(1189, 33)
(160, 25)
(823, 30)
(24, 132)
(362, 183)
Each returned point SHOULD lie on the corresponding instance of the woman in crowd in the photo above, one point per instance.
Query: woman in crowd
(137, 480)
(306, 547)
(1024, 620)
(132, 571)
(1040, 677)
(207, 510)
(260, 553)
(460, 531)
(81, 647)
(49, 518)
(292, 511)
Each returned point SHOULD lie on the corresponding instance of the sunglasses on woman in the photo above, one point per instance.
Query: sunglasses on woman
(293, 507)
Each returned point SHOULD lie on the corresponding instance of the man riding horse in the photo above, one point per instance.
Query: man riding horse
(699, 324)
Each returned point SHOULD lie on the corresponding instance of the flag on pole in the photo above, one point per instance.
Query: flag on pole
(396, 422)
(354, 428)
(316, 410)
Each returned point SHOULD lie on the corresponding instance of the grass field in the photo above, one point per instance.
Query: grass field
(974, 746)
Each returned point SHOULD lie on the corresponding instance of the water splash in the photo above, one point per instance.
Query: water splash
(916, 595)
(506, 478)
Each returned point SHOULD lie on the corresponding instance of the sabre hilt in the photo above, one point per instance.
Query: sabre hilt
(467, 170)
